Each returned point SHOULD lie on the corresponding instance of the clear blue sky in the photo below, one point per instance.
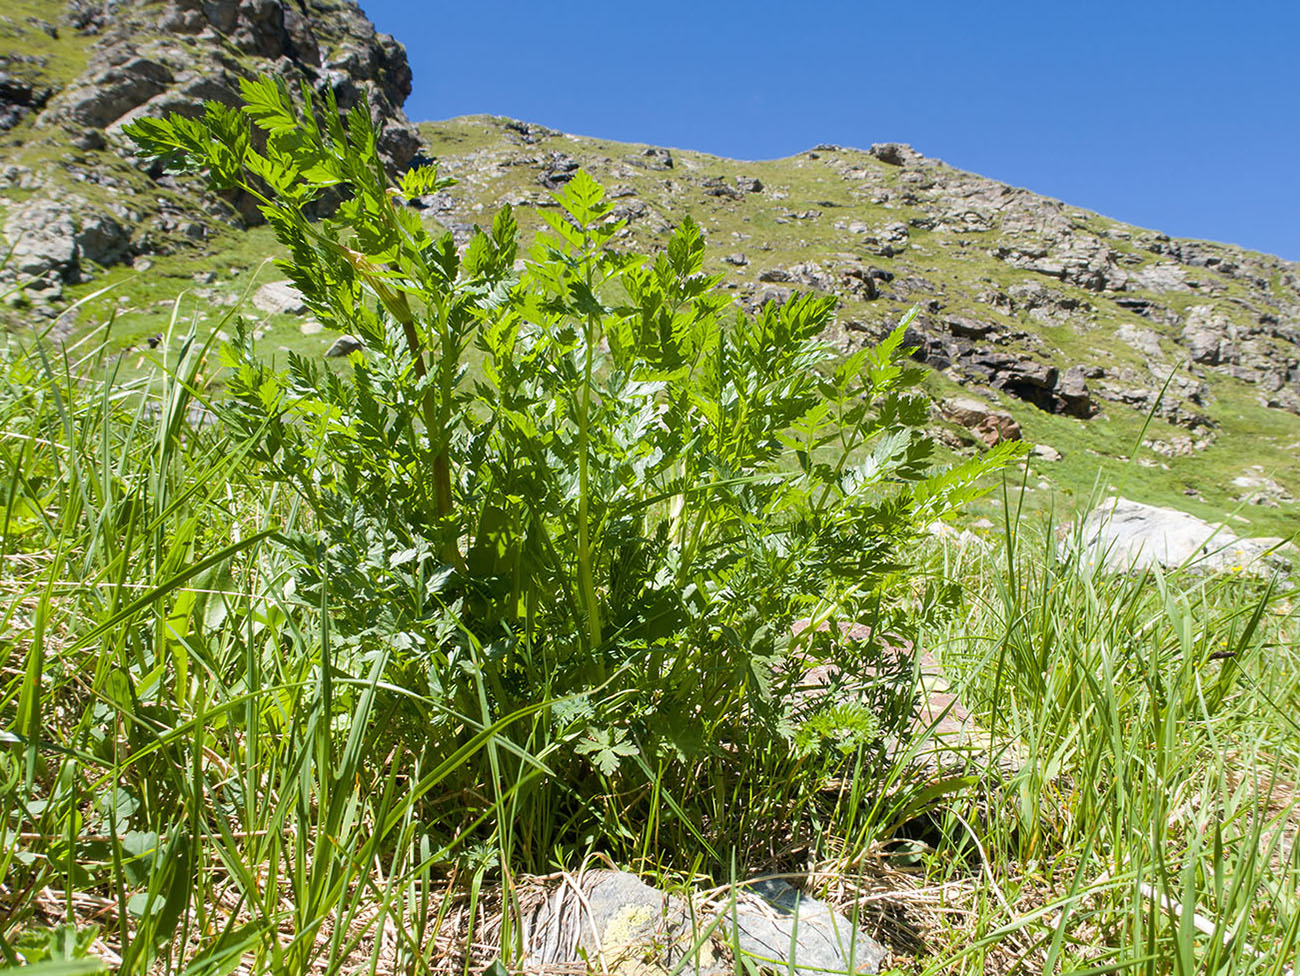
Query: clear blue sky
(1180, 115)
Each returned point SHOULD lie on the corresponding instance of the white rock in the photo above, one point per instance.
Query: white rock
(279, 297)
(1121, 535)
(961, 538)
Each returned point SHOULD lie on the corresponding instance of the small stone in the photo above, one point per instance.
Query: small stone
(344, 345)
(1046, 452)
(738, 259)
(311, 327)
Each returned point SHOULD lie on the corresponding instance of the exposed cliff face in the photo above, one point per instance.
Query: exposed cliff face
(153, 58)
(69, 85)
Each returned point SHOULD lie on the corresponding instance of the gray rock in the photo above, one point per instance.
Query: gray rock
(1158, 278)
(1046, 452)
(652, 158)
(89, 140)
(770, 293)
(968, 328)
(279, 298)
(781, 929)
(737, 259)
(102, 239)
(716, 186)
(1257, 489)
(1209, 336)
(749, 184)
(344, 345)
(107, 95)
(18, 98)
(1121, 535)
(1145, 341)
(611, 921)
(1085, 262)
(43, 235)
(895, 153)
(1072, 392)
(558, 169)
(155, 58)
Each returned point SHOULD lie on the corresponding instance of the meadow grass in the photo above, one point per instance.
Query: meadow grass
(191, 780)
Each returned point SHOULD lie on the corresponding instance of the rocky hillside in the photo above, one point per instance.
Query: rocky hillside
(1040, 320)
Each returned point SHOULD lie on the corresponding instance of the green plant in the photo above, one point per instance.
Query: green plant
(592, 488)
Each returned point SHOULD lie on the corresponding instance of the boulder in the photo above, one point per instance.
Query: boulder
(18, 98)
(104, 96)
(1145, 341)
(612, 921)
(102, 239)
(1121, 535)
(344, 345)
(990, 425)
(1072, 396)
(716, 186)
(43, 235)
(652, 158)
(784, 930)
(1082, 261)
(557, 169)
(1164, 277)
(1209, 336)
(280, 298)
(1257, 489)
(895, 153)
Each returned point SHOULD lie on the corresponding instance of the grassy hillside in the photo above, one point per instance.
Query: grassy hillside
(386, 663)
(810, 211)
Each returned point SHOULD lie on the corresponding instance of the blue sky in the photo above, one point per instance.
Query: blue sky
(1179, 116)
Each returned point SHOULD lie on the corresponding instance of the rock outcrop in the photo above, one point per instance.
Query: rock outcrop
(990, 425)
(151, 58)
(152, 61)
(1122, 535)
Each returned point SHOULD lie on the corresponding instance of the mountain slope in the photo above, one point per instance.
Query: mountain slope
(1071, 322)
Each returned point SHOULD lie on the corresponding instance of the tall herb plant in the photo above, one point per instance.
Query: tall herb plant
(589, 490)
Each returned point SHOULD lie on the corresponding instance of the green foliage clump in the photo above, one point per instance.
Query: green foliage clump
(581, 498)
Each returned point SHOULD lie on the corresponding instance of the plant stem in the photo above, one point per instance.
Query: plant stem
(585, 580)
(441, 461)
